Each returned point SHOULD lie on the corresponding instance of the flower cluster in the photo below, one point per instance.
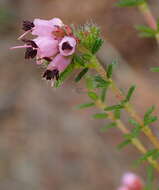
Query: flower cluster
(131, 182)
(60, 48)
(54, 44)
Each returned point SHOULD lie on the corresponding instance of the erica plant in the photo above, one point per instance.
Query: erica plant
(60, 49)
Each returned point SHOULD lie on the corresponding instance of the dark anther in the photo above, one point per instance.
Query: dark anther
(47, 59)
(51, 74)
(30, 53)
(66, 46)
(30, 42)
(27, 25)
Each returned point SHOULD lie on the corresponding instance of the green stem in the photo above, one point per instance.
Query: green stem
(128, 107)
(136, 142)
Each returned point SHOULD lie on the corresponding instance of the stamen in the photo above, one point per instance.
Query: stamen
(20, 37)
(49, 75)
(24, 46)
(27, 25)
(30, 53)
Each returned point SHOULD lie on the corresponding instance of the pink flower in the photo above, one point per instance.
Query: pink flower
(41, 27)
(67, 46)
(58, 64)
(42, 47)
(132, 181)
(47, 46)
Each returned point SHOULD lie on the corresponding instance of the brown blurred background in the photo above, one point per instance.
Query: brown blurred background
(45, 143)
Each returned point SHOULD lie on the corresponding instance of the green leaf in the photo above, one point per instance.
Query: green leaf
(148, 119)
(81, 74)
(100, 116)
(82, 59)
(149, 154)
(129, 3)
(124, 143)
(97, 44)
(100, 82)
(135, 123)
(129, 94)
(110, 68)
(93, 96)
(117, 114)
(66, 73)
(89, 36)
(103, 94)
(146, 31)
(149, 112)
(155, 69)
(109, 126)
(115, 107)
(86, 105)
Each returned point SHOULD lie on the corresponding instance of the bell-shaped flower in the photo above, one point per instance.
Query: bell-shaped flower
(41, 27)
(67, 46)
(47, 46)
(57, 65)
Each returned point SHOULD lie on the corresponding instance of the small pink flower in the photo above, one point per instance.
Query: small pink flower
(58, 64)
(132, 181)
(67, 46)
(41, 27)
(47, 46)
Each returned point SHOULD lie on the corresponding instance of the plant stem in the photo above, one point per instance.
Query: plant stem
(128, 107)
(124, 130)
(149, 18)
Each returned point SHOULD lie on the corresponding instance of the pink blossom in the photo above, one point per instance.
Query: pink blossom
(132, 181)
(67, 46)
(58, 64)
(41, 27)
(47, 46)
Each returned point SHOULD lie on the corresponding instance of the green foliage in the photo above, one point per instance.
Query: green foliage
(110, 69)
(82, 59)
(93, 95)
(155, 69)
(129, 94)
(81, 74)
(135, 123)
(86, 105)
(117, 114)
(148, 118)
(100, 115)
(135, 132)
(129, 3)
(109, 126)
(124, 143)
(100, 82)
(89, 36)
(103, 93)
(146, 31)
(90, 83)
(149, 154)
(150, 178)
(115, 107)
(64, 75)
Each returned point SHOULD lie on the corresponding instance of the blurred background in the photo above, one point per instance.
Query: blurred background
(45, 143)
